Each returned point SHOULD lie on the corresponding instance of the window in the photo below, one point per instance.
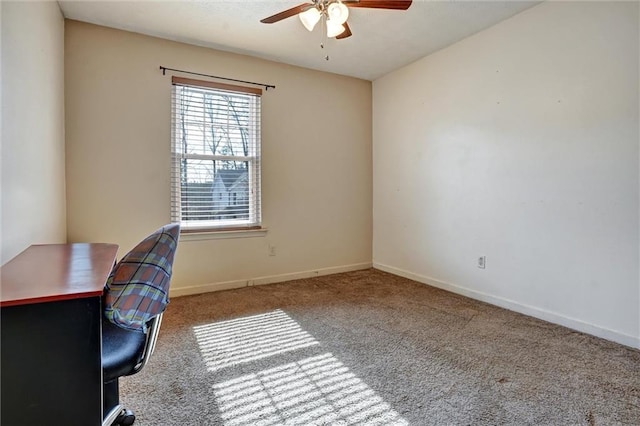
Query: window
(215, 155)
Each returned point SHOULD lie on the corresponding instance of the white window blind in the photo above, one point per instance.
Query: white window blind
(215, 147)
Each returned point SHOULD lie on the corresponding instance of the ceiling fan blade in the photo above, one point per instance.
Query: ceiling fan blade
(286, 13)
(380, 4)
(346, 33)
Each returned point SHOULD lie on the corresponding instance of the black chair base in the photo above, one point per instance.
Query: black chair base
(114, 413)
(119, 417)
(126, 418)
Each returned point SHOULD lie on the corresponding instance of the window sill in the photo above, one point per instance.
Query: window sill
(222, 234)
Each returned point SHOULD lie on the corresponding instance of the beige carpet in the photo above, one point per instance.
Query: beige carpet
(371, 348)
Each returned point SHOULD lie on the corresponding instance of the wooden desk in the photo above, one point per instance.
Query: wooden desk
(50, 331)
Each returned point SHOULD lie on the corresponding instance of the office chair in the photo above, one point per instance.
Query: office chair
(137, 293)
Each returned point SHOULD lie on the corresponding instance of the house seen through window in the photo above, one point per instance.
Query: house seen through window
(215, 155)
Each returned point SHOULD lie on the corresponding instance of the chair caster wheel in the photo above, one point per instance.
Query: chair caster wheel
(126, 418)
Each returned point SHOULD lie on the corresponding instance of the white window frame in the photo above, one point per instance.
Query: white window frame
(230, 227)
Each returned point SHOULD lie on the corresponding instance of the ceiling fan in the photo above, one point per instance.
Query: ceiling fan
(334, 13)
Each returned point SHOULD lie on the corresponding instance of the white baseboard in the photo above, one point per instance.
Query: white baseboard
(511, 305)
(271, 279)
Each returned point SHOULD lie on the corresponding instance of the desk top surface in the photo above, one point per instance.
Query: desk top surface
(53, 272)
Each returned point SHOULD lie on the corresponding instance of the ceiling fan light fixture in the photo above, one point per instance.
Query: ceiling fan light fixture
(333, 14)
(310, 18)
(338, 12)
(334, 28)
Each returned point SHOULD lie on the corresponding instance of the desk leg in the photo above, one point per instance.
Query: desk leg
(51, 363)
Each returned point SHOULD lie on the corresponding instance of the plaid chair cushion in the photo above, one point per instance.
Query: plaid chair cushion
(138, 288)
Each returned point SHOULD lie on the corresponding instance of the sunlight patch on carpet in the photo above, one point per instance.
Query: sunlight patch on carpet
(227, 343)
(315, 390)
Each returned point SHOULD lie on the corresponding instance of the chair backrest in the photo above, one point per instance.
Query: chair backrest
(138, 288)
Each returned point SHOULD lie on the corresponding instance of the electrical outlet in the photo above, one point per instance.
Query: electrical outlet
(482, 262)
(272, 250)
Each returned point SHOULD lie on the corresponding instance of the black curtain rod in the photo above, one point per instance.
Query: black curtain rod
(266, 86)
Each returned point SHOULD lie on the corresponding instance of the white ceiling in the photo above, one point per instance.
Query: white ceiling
(382, 40)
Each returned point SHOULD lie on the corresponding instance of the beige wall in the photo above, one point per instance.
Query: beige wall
(316, 144)
(519, 144)
(32, 144)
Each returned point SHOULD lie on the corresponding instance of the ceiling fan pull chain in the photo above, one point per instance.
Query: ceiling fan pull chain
(324, 37)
